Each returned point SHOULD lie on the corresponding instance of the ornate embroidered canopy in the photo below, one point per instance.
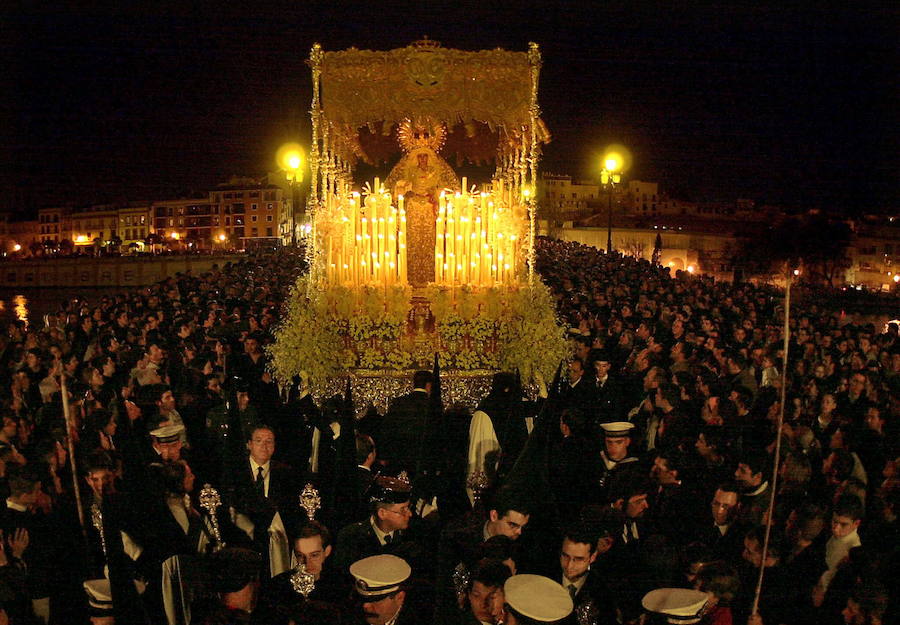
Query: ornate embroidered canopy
(487, 99)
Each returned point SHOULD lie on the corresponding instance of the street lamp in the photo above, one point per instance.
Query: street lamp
(610, 175)
(290, 159)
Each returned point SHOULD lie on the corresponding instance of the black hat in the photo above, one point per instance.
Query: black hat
(389, 490)
(600, 355)
(233, 568)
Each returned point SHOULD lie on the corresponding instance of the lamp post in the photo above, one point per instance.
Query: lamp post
(610, 176)
(290, 160)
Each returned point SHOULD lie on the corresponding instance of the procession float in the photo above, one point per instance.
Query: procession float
(421, 261)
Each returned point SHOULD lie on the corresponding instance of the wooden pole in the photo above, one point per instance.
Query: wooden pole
(67, 414)
(777, 463)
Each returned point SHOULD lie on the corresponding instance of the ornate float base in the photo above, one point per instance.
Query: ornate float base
(377, 388)
(381, 335)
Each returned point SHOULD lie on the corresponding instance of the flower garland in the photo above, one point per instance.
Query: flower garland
(335, 329)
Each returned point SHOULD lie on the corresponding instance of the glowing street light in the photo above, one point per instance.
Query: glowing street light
(616, 159)
(290, 158)
(17, 247)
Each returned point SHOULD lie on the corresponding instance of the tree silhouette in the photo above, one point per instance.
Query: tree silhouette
(815, 241)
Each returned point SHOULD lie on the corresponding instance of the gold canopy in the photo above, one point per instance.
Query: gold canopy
(360, 98)
(372, 92)
(425, 80)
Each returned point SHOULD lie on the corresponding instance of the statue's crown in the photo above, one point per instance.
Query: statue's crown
(421, 133)
(426, 44)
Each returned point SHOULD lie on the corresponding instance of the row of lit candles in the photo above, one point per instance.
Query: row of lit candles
(473, 244)
(372, 249)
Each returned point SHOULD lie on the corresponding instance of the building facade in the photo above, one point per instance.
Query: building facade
(54, 225)
(874, 253)
(251, 211)
(135, 225)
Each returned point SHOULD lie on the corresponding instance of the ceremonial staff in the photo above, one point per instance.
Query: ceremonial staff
(67, 414)
(784, 368)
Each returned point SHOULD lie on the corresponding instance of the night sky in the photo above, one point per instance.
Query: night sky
(792, 107)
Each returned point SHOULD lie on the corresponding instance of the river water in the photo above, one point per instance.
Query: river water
(30, 305)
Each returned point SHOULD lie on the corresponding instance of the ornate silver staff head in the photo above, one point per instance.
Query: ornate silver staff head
(97, 522)
(478, 481)
(310, 501)
(460, 578)
(587, 613)
(303, 582)
(210, 501)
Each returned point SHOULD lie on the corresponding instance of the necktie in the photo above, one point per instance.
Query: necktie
(260, 482)
(572, 591)
(388, 539)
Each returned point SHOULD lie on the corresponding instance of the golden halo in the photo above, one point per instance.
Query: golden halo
(421, 133)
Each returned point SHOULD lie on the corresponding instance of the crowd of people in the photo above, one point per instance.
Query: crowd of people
(639, 487)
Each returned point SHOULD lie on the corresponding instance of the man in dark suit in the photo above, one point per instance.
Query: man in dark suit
(578, 392)
(31, 543)
(607, 391)
(675, 507)
(588, 589)
(265, 491)
(725, 535)
(365, 460)
(387, 530)
(402, 437)
(312, 547)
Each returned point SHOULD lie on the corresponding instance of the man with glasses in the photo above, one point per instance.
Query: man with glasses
(459, 543)
(312, 548)
(385, 531)
(725, 536)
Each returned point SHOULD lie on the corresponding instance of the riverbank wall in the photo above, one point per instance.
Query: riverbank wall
(123, 271)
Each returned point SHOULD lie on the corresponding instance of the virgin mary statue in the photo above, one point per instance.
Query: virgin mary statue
(419, 177)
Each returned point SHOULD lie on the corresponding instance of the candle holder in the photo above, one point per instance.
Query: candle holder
(210, 501)
(310, 501)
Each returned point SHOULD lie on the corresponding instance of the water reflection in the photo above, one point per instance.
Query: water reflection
(20, 307)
